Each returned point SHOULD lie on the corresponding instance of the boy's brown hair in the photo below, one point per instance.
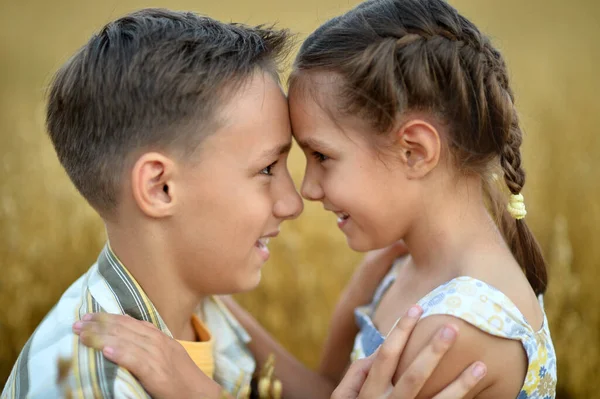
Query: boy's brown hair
(152, 80)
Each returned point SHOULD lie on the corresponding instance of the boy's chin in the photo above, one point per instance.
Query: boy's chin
(250, 283)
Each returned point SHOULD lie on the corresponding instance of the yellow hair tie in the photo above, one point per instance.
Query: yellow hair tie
(516, 206)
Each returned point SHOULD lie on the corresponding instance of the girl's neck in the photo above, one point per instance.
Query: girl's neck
(454, 228)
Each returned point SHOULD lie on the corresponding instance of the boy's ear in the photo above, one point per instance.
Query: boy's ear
(420, 147)
(152, 184)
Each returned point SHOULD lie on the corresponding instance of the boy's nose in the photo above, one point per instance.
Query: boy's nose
(290, 206)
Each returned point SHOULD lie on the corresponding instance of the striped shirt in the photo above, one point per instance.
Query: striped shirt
(109, 287)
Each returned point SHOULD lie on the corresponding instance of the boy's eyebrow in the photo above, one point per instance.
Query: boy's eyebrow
(277, 151)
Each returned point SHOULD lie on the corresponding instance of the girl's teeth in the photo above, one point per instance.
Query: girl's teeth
(342, 218)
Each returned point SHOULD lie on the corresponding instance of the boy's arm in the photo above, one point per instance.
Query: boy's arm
(342, 331)
(505, 359)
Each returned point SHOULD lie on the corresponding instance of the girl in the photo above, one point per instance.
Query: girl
(405, 113)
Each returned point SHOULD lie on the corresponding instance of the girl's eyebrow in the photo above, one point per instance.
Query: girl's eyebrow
(315, 144)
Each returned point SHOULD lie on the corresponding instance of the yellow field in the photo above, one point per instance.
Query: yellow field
(49, 235)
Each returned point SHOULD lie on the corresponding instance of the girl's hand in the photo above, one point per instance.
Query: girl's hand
(159, 362)
(372, 377)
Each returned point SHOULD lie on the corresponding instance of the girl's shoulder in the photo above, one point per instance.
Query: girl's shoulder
(483, 314)
(481, 305)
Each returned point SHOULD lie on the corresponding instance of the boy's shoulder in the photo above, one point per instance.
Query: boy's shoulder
(53, 360)
(235, 364)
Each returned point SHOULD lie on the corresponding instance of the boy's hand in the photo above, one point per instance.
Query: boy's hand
(159, 362)
(372, 377)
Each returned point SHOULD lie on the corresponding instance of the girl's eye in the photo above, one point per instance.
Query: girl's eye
(268, 171)
(319, 157)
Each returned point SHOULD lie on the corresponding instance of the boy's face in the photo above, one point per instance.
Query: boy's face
(237, 192)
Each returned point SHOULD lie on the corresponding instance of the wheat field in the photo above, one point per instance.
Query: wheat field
(49, 235)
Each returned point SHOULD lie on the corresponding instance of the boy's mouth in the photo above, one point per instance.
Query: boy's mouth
(262, 244)
(263, 249)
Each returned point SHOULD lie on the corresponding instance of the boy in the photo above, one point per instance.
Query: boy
(160, 123)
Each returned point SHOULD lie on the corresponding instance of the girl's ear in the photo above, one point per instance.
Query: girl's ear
(420, 147)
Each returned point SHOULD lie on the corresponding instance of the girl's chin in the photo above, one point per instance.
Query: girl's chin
(359, 245)
(366, 244)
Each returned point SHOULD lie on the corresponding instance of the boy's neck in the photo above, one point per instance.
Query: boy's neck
(154, 270)
(454, 227)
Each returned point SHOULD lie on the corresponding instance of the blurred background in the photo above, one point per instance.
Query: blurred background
(49, 235)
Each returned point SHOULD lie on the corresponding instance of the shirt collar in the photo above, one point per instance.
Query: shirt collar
(132, 299)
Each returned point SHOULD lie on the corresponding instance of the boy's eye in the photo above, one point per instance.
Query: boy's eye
(268, 171)
(319, 157)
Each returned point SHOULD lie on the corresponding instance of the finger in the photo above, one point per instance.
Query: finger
(130, 322)
(465, 382)
(123, 320)
(387, 356)
(135, 358)
(96, 335)
(92, 340)
(91, 322)
(414, 378)
(116, 325)
(149, 364)
(125, 352)
(354, 379)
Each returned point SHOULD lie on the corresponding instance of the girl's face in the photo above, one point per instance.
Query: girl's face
(366, 188)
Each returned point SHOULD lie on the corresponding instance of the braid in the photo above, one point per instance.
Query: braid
(510, 160)
(510, 154)
(517, 234)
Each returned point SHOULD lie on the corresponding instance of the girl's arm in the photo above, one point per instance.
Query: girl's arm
(505, 359)
(342, 331)
(299, 381)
